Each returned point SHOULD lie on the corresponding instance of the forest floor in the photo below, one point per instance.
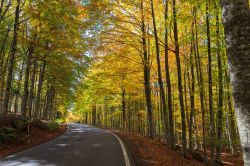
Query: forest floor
(150, 152)
(14, 134)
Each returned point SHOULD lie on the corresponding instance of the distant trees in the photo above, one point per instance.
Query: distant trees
(157, 68)
(42, 54)
(176, 85)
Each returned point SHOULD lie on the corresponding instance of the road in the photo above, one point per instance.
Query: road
(81, 145)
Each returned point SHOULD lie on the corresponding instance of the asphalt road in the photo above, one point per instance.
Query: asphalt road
(81, 145)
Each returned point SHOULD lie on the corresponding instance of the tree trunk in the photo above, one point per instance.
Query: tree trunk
(26, 82)
(32, 85)
(210, 85)
(93, 115)
(123, 109)
(19, 87)
(146, 66)
(191, 92)
(39, 90)
(168, 83)
(180, 88)
(201, 85)
(232, 125)
(236, 19)
(220, 85)
(11, 60)
(158, 59)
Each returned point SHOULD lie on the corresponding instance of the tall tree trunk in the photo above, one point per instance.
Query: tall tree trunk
(160, 82)
(26, 82)
(46, 104)
(12, 59)
(123, 109)
(180, 88)
(39, 90)
(220, 85)
(93, 115)
(3, 69)
(210, 85)
(19, 87)
(146, 65)
(168, 83)
(201, 85)
(32, 85)
(191, 91)
(236, 19)
(52, 103)
(232, 127)
(3, 84)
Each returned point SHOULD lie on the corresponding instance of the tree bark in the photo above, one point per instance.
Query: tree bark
(93, 115)
(12, 59)
(201, 85)
(168, 83)
(19, 87)
(180, 88)
(210, 84)
(160, 82)
(191, 91)
(32, 85)
(220, 86)
(232, 125)
(26, 82)
(146, 65)
(236, 20)
(39, 90)
(123, 109)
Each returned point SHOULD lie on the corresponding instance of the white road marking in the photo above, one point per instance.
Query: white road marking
(125, 154)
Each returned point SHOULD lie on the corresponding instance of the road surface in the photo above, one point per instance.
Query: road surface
(81, 145)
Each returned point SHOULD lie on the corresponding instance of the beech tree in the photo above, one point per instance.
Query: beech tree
(154, 68)
(236, 19)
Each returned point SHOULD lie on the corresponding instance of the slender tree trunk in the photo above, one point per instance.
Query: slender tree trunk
(3, 83)
(52, 103)
(12, 59)
(19, 87)
(86, 117)
(46, 104)
(210, 85)
(201, 85)
(123, 109)
(232, 127)
(26, 82)
(32, 85)
(160, 82)
(180, 88)
(220, 85)
(94, 116)
(236, 19)
(191, 92)
(2, 48)
(146, 66)
(185, 92)
(39, 90)
(168, 83)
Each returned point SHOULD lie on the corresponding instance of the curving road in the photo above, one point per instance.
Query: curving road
(81, 145)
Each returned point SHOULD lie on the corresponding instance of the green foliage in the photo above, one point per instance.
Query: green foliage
(52, 126)
(7, 134)
(20, 124)
(59, 121)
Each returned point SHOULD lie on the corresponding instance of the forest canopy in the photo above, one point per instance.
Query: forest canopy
(156, 68)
